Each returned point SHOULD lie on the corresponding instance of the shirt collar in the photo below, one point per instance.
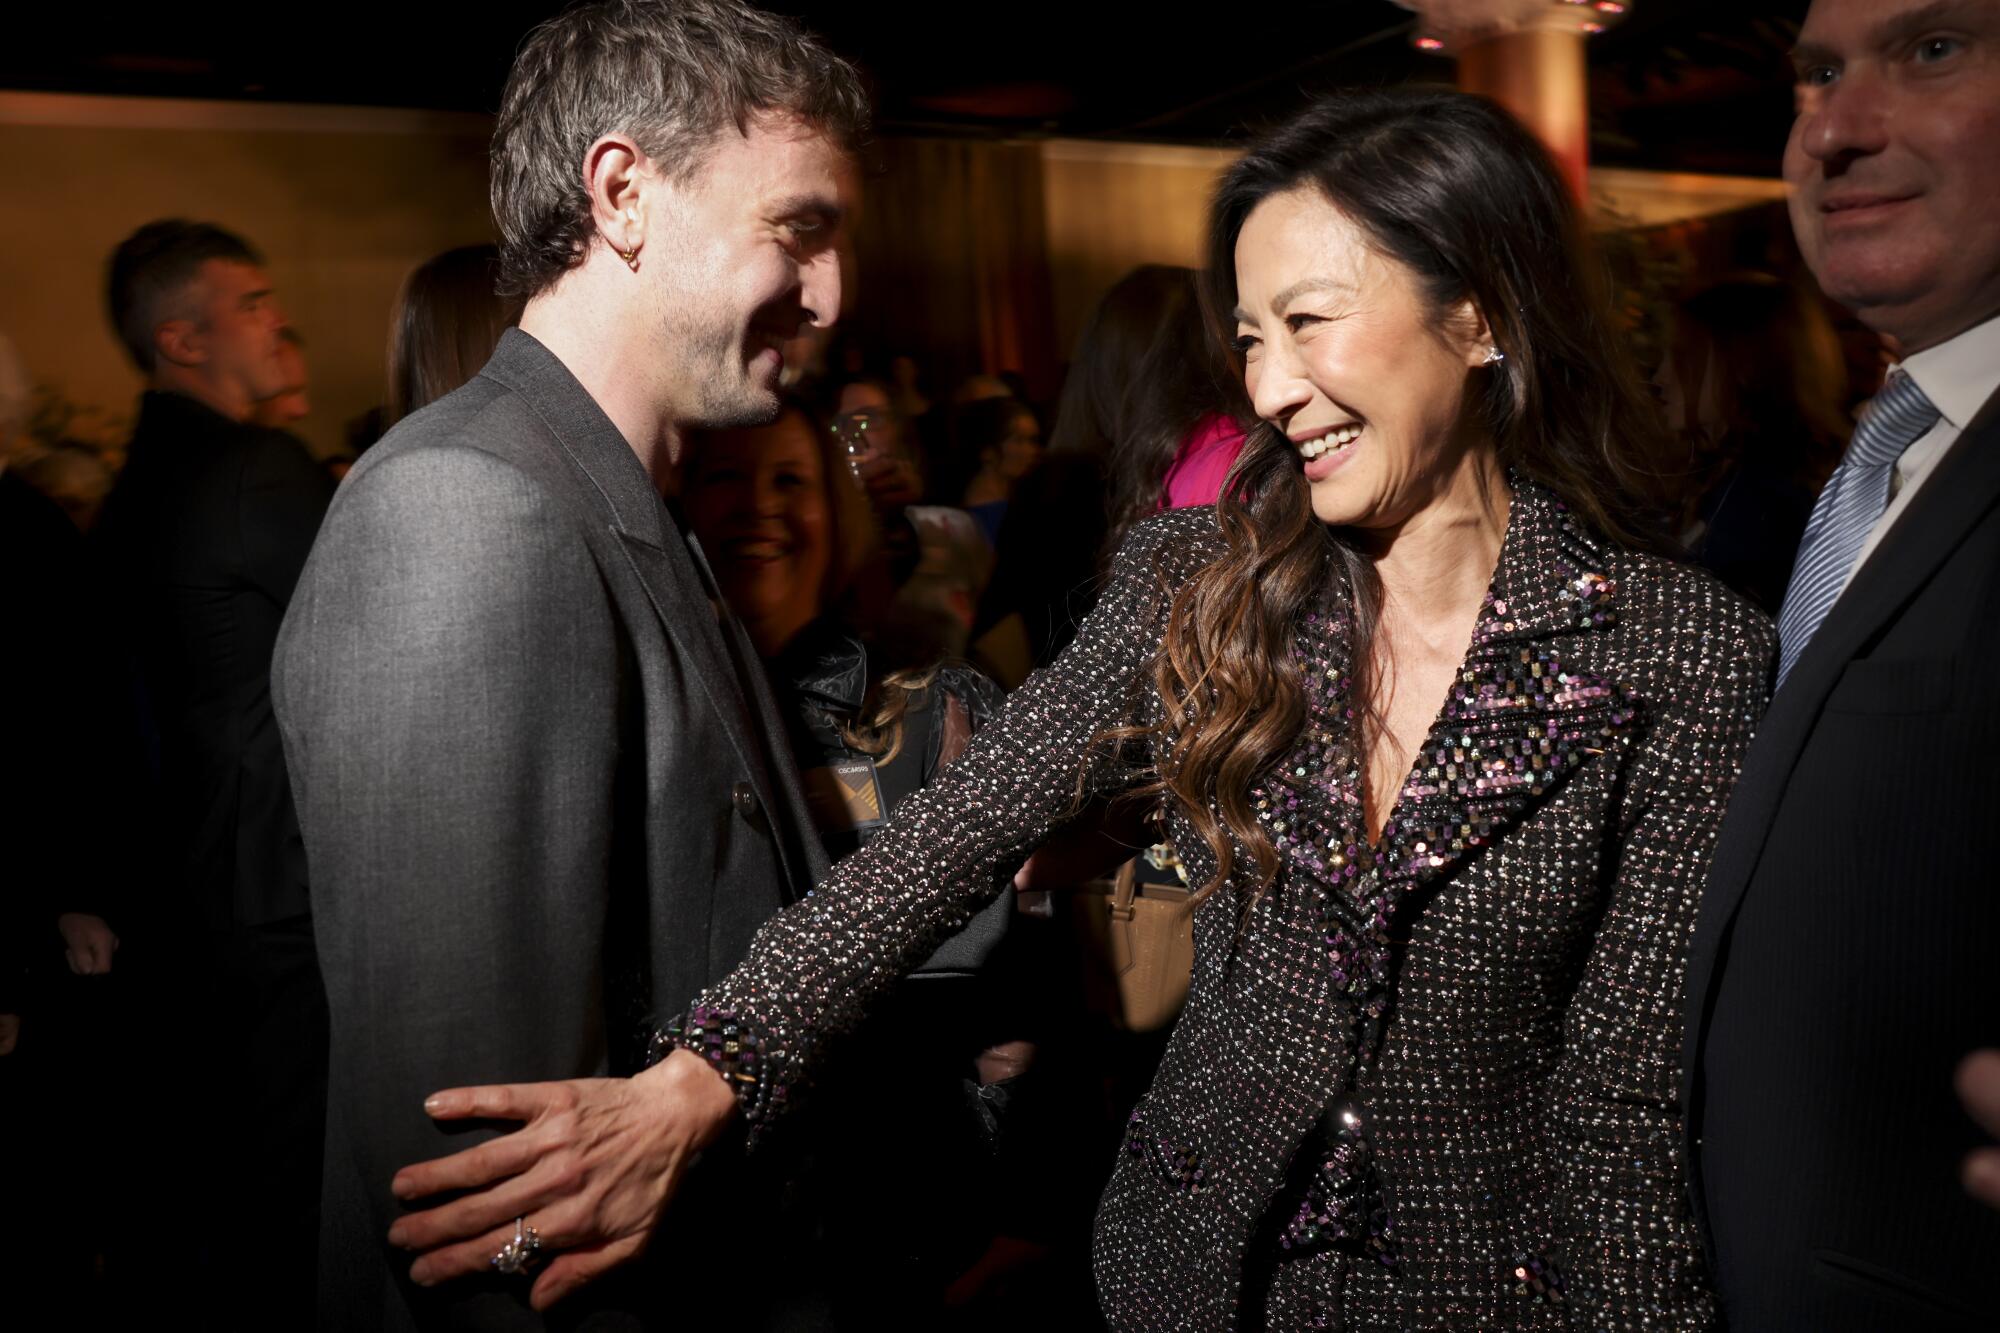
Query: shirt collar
(1960, 374)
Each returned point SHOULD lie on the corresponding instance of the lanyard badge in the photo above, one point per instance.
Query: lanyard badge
(845, 796)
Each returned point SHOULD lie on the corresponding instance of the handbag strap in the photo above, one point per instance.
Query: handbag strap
(1125, 888)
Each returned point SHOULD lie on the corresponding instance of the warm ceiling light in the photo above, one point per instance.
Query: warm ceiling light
(1452, 24)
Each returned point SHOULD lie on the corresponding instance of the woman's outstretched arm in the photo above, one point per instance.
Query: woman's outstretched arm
(597, 1161)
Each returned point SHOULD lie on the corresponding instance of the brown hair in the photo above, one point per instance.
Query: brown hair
(673, 75)
(1144, 376)
(448, 319)
(1455, 191)
(1767, 352)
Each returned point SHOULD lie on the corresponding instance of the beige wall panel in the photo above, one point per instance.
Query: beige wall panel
(342, 201)
(1112, 207)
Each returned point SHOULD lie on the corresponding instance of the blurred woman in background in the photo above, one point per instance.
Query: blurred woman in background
(1149, 398)
(1002, 441)
(448, 319)
(1754, 389)
(794, 547)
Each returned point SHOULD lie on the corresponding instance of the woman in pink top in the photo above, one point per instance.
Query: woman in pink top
(1205, 457)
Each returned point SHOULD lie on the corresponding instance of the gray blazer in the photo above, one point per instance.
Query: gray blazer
(527, 750)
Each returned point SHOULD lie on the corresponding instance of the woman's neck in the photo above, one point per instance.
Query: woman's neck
(1440, 559)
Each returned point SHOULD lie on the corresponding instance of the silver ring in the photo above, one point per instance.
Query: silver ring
(518, 1253)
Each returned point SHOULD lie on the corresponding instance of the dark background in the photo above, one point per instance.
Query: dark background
(1689, 85)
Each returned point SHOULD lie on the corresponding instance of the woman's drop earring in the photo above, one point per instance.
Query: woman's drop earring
(1493, 356)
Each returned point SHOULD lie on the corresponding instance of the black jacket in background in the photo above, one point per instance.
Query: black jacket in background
(202, 540)
(1843, 964)
(60, 765)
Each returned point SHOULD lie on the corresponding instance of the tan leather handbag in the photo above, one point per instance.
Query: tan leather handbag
(1148, 932)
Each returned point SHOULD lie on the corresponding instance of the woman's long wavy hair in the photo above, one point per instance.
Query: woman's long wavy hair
(1465, 199)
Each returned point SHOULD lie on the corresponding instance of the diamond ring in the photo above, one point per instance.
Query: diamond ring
(518, 1253)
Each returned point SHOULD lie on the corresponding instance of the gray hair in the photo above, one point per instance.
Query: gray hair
(673, 74)
(151, 269)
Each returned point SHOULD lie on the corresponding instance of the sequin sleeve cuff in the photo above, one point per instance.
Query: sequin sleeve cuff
(733, 1048)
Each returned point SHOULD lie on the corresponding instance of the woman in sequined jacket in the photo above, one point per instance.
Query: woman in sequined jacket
(1427, 1073)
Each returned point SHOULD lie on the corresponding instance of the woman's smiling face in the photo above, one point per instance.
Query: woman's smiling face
(757, 500)
(1346, 355)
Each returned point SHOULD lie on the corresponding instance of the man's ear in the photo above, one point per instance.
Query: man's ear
(181, 342)
(616, 177)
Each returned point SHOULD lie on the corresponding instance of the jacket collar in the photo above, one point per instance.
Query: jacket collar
(676, 581)
(1517, 721)
(172, 423)
(588, 438)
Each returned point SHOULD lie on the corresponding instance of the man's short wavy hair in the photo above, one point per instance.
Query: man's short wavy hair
(150, 272)
(673, 74)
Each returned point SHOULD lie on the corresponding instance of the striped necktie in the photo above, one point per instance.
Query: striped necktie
(1847, 511)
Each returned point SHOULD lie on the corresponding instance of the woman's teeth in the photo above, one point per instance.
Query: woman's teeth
(1330, 441)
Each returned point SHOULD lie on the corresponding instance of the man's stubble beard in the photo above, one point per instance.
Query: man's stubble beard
(713, 385)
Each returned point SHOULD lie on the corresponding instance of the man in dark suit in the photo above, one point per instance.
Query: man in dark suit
(538, 768)
(201, 541)
(1843, 965)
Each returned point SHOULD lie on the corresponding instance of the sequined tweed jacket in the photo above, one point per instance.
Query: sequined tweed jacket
(1432, 1086)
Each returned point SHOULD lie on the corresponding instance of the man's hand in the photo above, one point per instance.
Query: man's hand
(591, 1169)
(1979, 1089)
(89, 943)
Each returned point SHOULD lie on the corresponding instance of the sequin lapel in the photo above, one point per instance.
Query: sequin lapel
(1516, 723)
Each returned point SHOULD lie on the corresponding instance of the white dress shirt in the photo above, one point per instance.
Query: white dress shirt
(1958, 376)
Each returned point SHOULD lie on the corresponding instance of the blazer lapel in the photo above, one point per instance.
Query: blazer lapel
(1518, 721)
(616, 487)
(1962, 490)
(669, 583)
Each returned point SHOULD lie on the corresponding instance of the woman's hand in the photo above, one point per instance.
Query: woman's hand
(591, 1169)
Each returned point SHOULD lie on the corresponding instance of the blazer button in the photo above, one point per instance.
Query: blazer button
(745, 799)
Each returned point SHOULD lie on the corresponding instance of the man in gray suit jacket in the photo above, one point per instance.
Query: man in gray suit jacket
(539, 775)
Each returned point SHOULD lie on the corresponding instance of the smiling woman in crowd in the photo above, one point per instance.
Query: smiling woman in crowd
(1442, 746)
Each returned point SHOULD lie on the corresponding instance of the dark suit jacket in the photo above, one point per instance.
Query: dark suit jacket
(202, 539)
(531, 767)
(1844, 960)
(53, 707)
